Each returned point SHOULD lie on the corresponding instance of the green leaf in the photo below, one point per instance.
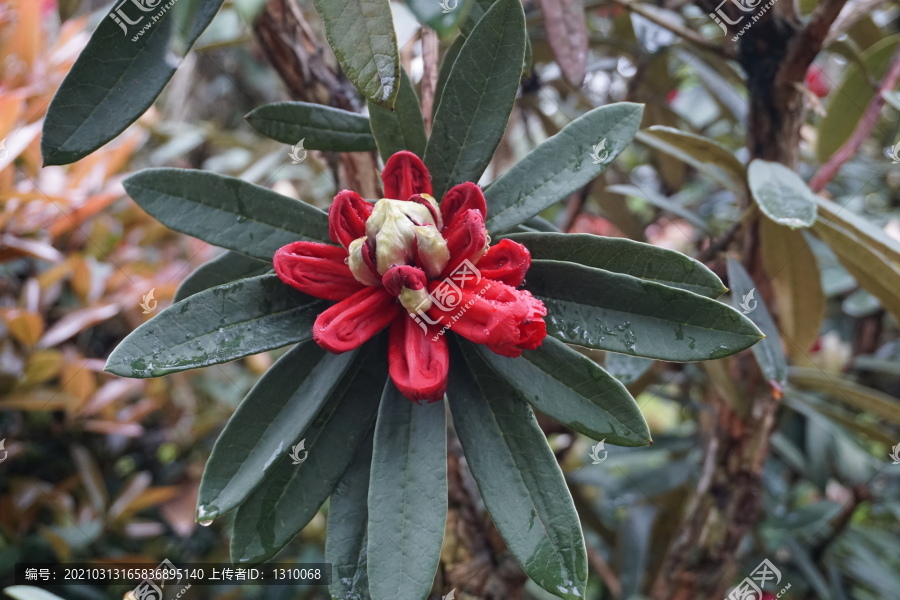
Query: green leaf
(781, 194)
(769, 352)
(794, 273)
(703, 154)
(217, 325)
(610, 311)
(348, 514)
(671, 205)
(573, 390)
(407, 497)
(874, 271)
(520, 482)
(477, 10)
(225, 211)
(477, 98)
(859, 227)
(450, 56)
(114, 80)
(626, 368)
(269, 421)
(621, 255)
(320, 127)
(433, 14)
(27, 592)
(561, 164)
(852, 394)
(848, 103)
(361, 33)
(289, 498)
(401, 128)
(223, 269)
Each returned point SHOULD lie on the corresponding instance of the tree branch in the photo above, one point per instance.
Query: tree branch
(863, 129)
(806, 45)
(689, 35)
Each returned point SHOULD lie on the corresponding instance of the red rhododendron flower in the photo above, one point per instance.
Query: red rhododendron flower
(421, 268)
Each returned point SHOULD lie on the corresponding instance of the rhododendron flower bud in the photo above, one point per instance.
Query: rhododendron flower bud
(432, 253)
(428, 201)
(316, 269)
(353, 321)
(405, 174)
(360, 262)
(347, 217)
(508, 261)
(408, 284)
(459, 199)
(468, 240)
(503, 318)
(392, 228)
(418, 363)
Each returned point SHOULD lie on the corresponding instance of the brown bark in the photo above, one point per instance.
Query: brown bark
(295, 51)
(775, 52)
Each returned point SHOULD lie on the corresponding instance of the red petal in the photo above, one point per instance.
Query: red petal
(419, 363)
(466, 240)
(403, 276)
(492, 313)
(350, 323)
(316, 269)
(507, 261)
(405, 174)
(459, 199)
(347, 217)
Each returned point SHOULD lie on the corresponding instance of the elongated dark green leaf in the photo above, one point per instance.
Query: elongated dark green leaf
(361, 33)
(611, 311)
(290, 497)
(348, 514)
(407, 497)
(517, 474)
(401, 128)
(621, 255)
(572, 389)
(671, 205)
(450, 56)
(769, 352)
(116, 78)
(225, 211)
(217, 325)
(562, 164)
(626, 368)
(441, 15)
(320, 127)
(477, 98)
(223, 269)
(476, 12)
(707, 163)
(781, 194)
(267, 424)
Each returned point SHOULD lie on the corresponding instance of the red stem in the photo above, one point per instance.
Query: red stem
(827, 171)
